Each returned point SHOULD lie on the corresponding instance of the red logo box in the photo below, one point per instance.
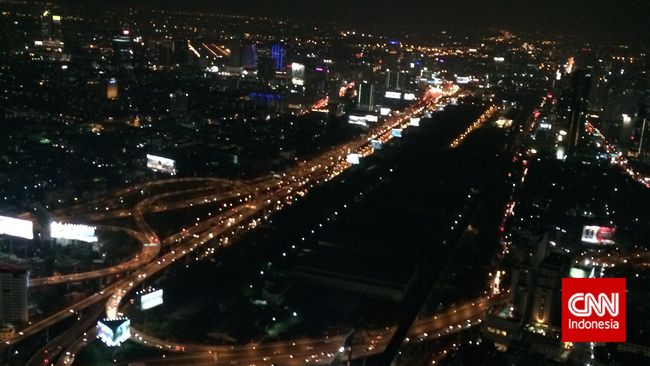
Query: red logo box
(593, 310)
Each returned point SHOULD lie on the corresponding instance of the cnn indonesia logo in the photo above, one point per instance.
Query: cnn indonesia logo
(593, 310)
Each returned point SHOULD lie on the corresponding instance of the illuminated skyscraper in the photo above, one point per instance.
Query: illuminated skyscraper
(366, 96)
(576, 103)
(111, 89)
(123, 46)
(49, 44)
(51, 28)
(277, 54)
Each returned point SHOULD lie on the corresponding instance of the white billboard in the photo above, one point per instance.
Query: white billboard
(353, 159)
(16, 227)
(362, 120)
(59, 230)
(114, 331)
(151, 299)
(371, 118)
(414, 121)
(358, 120)
(384, 111)
(577, 272)
(161, 164)
(410, 96)
(598, 235)
(393, 95)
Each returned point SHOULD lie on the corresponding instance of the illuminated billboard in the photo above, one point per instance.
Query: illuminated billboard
(358, 120)
(577, 272)
(410, 96)
(371, 118)
(598, 235)
(353, 159)
(297, 74)
(396, 132)
(59, 230)
(114, 331)
(414, 121)
(362, 120)
(376, 144)
(16, 227)
(463, 79)
(151, 299)
(158, 163)
(503, 122)
(384, 111)
(393, 95)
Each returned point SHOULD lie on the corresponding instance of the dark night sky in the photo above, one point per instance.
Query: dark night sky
(624, 19)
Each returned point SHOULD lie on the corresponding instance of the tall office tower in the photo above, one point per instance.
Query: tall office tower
(49, 44)
(13, 287)
(111, 89)
(178, 103)
(243, 54)
(277, 54)
(248, 55)
(577, 106)
(366, 96)
(393, 81)
(545, 308)
(392, 61)
(160, 51)
(123, 46)
(642, 132)
(51, 28)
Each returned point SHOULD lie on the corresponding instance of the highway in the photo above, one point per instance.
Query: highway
(264, 196)
(149, 242)
(55, 347)
(617, 157)
(322, 350)
(147, 253)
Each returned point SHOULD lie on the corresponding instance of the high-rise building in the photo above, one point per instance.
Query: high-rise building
(178, 103)
(49, 44)
(393, 79)
(578, 104)
(642, 133)
(277, 54)
(545, 308)
(51, 29)
(13, 287)
(111, 89)
(123, 46)
(366, 96)
(243, 54)
(573, 107)
(248, 55)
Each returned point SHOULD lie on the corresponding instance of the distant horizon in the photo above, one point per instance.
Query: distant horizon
(624, 21)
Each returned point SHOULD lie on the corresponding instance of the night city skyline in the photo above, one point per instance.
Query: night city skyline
(591, 20)
(377, 183)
